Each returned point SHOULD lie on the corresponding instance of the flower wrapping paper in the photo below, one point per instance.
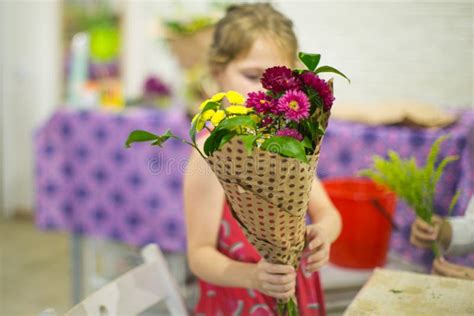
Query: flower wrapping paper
(268, 195)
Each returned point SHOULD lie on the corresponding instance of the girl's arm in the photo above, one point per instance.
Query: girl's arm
(325, 229)
(203, 199)
(323, 213)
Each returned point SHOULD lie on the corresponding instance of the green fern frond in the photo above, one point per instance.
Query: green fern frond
(454, 201)
(412, 183)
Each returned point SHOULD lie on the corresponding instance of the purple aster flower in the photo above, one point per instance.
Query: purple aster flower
(295, 105)
(259, 101)
(279, 79)
(313, 81)
(290, 133)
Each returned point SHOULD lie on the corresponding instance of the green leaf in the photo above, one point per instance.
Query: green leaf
(311, 61)
(213, 141)
(442, 165)
(225, 138)
(144, 136)
(163, 138)
(281, 309)
(139, 136)
(307, 143)
(237, 121)
(249, 141)
(192, 130)
(292, 308)
(454, 201)
(286, 146)
(210, 106)
(332, 70)
(216, 139)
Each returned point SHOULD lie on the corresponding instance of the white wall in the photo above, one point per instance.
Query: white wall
(30, 61)
(419, 50)
(403, 49)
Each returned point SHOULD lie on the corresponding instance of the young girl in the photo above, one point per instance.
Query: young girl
(234, 279)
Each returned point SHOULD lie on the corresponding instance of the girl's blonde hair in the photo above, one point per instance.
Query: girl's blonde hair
(236, 32)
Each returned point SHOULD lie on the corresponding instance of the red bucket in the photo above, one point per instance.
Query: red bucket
(366, 210)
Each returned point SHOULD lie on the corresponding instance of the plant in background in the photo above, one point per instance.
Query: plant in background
(414, 184)
(189, 26)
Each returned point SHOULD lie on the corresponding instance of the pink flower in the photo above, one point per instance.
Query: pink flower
(313, 81)
(295, 105)
(260, 102)
(279, 79)
(290, 133)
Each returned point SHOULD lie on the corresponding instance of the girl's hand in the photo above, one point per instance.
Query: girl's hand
(317, 251)
(422, 234)
(445, 268)
(275, 280)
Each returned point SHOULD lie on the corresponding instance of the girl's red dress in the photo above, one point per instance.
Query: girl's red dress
(226, 301)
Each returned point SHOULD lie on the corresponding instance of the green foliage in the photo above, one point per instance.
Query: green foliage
(415, 185)
(237, 122)
(144, 136)
(288, 308)
(216, 140)
(189, 27)
(332, 70)
(311, 61)
(286, 146)
(249, 141)
(454, 201)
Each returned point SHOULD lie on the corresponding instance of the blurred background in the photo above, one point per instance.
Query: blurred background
(77, 76)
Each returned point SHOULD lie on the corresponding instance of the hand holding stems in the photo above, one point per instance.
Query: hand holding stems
(318, 246)
(274, 280)
(424, 235)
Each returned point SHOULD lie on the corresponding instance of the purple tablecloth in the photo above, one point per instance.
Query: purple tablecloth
(87, 182)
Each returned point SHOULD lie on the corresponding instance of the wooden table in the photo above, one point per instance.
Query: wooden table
(390, 292)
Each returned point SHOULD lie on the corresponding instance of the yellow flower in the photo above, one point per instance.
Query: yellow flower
(195, 118)
(235, 97)
(200, 125)
(238, 109)
(217, 97)
(206, 116)
(218, 117)
(203, 104)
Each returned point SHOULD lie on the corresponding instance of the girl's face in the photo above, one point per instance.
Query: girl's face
(243, 73)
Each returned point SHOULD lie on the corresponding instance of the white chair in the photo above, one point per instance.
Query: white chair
(135, 291)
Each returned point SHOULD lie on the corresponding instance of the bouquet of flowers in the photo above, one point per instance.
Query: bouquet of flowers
(264, 151)
(416, 185)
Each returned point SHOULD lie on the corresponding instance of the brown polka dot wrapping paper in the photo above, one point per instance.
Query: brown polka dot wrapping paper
(268, 195)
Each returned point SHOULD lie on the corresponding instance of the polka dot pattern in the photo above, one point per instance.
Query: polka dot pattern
(268, 195)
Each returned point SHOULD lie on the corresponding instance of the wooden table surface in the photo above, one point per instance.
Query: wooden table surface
(390, 292)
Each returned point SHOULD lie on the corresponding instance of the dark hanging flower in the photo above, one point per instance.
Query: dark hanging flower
(266, 121)
(154, 86)
(279, 79)
(311, 80)
(290, 132)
